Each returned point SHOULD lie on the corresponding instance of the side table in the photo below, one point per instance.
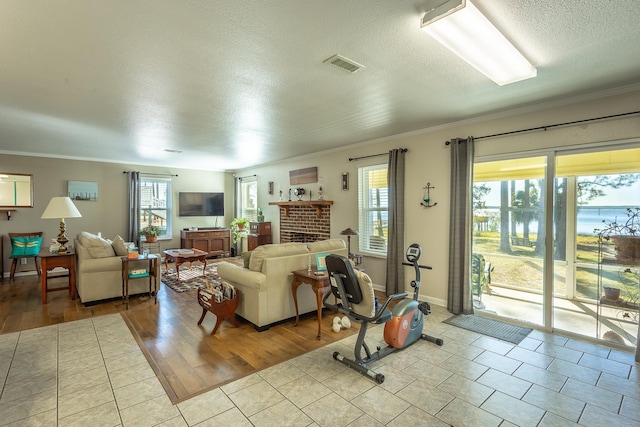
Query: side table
(50, 261)
(152, 272)
(320, 285)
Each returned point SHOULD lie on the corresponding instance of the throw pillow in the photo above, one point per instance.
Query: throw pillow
(246, 257)
(119, 246)
(97, 246)
(25, 246)
(367, 306)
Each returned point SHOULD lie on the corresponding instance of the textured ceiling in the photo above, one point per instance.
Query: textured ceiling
(232, 84)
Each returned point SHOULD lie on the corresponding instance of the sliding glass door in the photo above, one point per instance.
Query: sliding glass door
(597, 188)
(508, 242)
(521, 203)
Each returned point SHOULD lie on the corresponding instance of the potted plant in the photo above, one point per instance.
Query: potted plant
(625, 235)
(150, 233)
(239, 228)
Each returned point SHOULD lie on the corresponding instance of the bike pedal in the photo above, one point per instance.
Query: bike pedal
(424, 307)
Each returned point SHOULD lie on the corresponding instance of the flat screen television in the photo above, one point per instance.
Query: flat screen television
(200, 204)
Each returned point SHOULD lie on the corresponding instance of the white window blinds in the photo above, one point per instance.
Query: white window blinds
(373, 202)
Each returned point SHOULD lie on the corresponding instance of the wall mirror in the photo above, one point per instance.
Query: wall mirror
(16, 190)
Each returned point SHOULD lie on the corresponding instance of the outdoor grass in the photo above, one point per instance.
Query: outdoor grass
(523, 268)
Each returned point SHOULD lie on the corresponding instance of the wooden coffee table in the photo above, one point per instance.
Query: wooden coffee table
(182, 257)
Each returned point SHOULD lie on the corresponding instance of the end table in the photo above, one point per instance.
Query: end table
(152, 272)
(320, 285)
(60, 259)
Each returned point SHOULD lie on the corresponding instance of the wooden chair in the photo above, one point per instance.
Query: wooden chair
(25, 245)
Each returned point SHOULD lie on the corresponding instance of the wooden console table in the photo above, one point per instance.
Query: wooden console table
(50, 261)
(213, 242)
(319, 284)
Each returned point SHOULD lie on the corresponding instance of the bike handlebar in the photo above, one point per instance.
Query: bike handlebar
(427, 267)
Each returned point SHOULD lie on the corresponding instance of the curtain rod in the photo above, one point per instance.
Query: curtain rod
(613, 116)
(150, 173)
(404, 150)
(248, 176)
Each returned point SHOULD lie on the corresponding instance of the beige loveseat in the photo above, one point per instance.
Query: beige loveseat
(99, 269)
(265, 285)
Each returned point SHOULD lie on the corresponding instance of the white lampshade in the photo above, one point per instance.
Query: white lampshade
(60, 207)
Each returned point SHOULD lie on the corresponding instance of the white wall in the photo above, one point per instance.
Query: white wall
(109, 214)
(428, 161)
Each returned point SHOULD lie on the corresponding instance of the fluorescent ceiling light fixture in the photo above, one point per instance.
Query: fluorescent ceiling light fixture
(462, 28)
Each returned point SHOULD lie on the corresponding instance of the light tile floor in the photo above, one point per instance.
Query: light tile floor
(91, 372)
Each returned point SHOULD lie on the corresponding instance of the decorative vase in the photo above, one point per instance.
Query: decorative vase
(611, 294)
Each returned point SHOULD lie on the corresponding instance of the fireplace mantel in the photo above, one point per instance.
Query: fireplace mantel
(318, 204)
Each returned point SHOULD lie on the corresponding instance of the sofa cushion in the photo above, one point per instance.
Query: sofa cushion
(326, 245)
(119, 246)
(275, 250)
(246, 257)
(97, 246)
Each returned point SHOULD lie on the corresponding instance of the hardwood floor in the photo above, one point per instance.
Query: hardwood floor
(186, 358)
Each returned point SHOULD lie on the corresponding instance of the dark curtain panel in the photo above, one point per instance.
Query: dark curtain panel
(134, 206)
(460, 299)
(395, 247)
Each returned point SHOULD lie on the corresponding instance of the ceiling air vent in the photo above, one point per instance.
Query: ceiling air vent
(343, 63)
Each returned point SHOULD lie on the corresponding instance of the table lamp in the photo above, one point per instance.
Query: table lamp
(61, 207)
(349, 232)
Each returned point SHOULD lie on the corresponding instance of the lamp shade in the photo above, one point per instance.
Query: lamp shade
(349, 232)
(60, 207)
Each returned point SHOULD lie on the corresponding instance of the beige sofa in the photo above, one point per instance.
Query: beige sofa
(265, 285)
(99, 269)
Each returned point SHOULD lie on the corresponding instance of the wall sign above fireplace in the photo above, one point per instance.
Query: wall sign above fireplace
(303, 176)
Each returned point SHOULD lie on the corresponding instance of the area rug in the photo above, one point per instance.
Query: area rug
(490, 327)
(193, 278)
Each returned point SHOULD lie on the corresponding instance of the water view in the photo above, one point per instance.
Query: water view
(589, 217)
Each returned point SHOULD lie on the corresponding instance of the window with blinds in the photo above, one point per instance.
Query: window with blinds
(155, 204)
(249, 199)
(373, 203)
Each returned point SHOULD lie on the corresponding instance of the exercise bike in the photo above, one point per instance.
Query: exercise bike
(355, 298)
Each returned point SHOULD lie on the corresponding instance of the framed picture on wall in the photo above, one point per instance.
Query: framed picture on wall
(83, 191)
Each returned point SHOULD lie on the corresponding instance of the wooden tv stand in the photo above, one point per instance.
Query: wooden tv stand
(215, 242)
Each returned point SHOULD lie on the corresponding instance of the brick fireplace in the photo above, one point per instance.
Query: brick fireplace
(304, 221)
